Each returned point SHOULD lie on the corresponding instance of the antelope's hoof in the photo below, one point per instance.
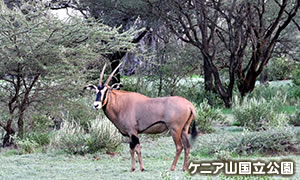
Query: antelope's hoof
(142, 169)
(172, 169)
(132, 169)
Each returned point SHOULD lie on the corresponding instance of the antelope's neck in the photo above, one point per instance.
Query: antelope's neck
(111, 110)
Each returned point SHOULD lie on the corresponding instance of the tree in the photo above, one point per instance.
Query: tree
(264, 33)
(236, 35)
(221, 30)
(122, 14)
(195, 22)
(40, 56)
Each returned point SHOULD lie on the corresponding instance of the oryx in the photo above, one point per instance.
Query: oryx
(133, 113)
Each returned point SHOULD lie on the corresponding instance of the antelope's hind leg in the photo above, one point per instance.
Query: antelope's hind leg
(187, 148)
(177, 140)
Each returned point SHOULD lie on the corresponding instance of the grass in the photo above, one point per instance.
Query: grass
(289, 109)
(286, 109)
(157, 154)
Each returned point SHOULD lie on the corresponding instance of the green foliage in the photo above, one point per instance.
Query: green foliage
(294, 119)
(296, 76)
(80, 111)
(295, 88)
(206, 115)
(42, 57)
(294, 93)
(268, 92)
(260, 114)
(71, 138)
(33, 142)
(41, 138)
(226, 145)
(27, 145)
(279, 68)
(101, 136)
(39, 122)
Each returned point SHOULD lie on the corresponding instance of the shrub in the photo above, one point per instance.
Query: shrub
(34, 142)
(42, 139)
(279, 68)
(224, 146)
(206, 115)
(103, 135)
(296, 76)
(295, 89)
(294, 92)
(271, 141)
(73, 139)
(27, 145)
(269, 92)
(294, 119)
(260, 114)
(80, 111)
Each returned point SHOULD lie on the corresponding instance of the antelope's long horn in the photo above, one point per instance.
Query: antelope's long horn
(112, 74)
(102, 74)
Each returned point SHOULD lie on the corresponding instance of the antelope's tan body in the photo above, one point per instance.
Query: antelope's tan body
(161, 113)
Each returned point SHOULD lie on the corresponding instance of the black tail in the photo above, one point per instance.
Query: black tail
(194, 132)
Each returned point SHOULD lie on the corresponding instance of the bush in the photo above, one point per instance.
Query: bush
(271, 141)
(103, 135)
(294, 119)
(34, 142)
(206, 115)
(260, 114)
(279, 69)
(295, 89)
(80, 110)
(73, 139)
(224, 146)
(42, 139)
(296, 76)
(27, 145)
(269, 92)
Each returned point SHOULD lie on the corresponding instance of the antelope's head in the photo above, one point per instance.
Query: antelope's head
(101, 90)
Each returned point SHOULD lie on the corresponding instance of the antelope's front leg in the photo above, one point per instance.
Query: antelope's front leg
(134, 140)
(138, 152)
(132, 160)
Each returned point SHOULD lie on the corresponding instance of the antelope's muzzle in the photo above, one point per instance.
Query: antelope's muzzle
(97, 105)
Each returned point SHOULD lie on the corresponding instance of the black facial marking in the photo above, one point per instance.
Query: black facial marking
(98, 97)
(134, 141)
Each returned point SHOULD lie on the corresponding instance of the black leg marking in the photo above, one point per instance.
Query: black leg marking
(134, 141)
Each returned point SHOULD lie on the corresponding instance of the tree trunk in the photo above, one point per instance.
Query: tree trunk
(114, 65)
(117, 56)
(247, 85)
(208, 80)
(227, 101)
(7, 140)
(263, 77)
(21, 124)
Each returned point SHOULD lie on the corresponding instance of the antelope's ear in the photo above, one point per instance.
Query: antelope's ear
(90, 87)
(116, 86)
